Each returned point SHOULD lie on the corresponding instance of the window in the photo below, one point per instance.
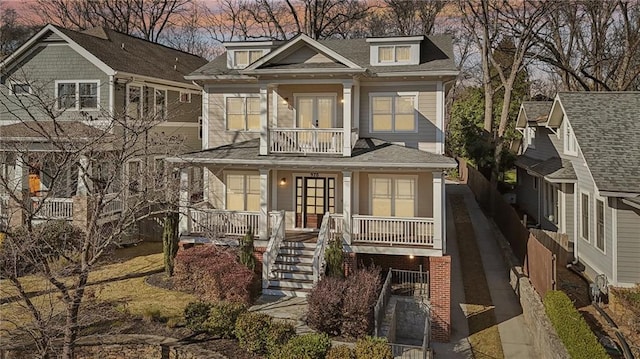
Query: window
(600, 224)
(393, 196)
(199, 127)
(570, 145)
(242, 58)
(134, 174)
(160, 103)
(551, 202)
(243, 113)
(134, 102)
(20, 89)
(535, 183)
(530, 136)
(185, 97)
(394, 54)
(77, 95)
(584, 216)
(243, 192)
(317, 111)
(393, 113)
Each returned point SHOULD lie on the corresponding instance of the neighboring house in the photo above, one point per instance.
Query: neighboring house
(579, 174)
(336, 136)
(90, 78)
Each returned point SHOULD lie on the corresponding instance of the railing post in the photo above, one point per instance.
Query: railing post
(346, 206)
(263, 224)
(184, 224)
(438, 211)
(264, 121)
(346, 118)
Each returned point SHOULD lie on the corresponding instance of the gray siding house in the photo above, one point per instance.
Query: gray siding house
(579, 173)
(88, 79)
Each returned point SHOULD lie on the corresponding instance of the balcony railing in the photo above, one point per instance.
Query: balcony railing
(113, 204)
(392, 230)
(53, 208)
(307, 141)
(221, 222)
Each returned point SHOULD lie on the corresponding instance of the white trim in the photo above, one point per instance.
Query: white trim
(188, 94)
(205, 121)
(77, 101)
(393, 95)
(395, 39)
(315, 44)
(13, 83)
(367, 82)
(112, 91)
(414, 54)
(440, 139)
(393, 177)
(562, 208)
(231, 56)
(274, 107)
(581, 225)
(597, 198)
(244, 96)
(128, 98)
(244, 173)
(257, 44)
(315, 96)
(419, 73)
(568, 137)
(614, 239)
(304, 175)
(166, 106)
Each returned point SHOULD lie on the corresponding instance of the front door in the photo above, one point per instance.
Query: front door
(314, 197)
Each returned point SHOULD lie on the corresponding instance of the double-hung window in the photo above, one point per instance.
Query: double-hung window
(134, 175)
(77, 95)
(160, 104)
(243, 58)
(530, 134)
(600, 225)
(20, 88)
(390, 54)
(393, 112)
(584, 216)
(551, 202)
(393, 196)
(243, 192)
(243, 113)
(134, 101)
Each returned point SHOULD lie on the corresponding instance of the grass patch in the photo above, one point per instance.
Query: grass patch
(483, 330)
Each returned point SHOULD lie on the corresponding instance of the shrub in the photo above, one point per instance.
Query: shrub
(213, 273)
(360, 298)
(222, 318)
(325, 305)
(334, 257)
(307, 346)
(373, 348)
(340, 352)
(246, 251)
(252, 330)
(571, 327)
(278, 335)
(195, 314)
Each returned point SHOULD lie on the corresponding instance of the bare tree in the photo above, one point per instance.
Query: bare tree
(13, 32)
(405, 17)
(88, 163)
(593, 45)
(143, 18)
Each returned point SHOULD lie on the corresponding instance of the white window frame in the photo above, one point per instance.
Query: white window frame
(77, 102)
(13, 83)
(393, 177)
(188, 97)
(129, 177)
(394, 50)
(128, 97)
(551, 191)
(530, 136)
(165, 104)
(581, 224)
(569, 139)
(393, 104)
(244, 174)
(232, 57)
(414, 53)
(315, 95)
(244, 96)
(597, 199)
(200, 128)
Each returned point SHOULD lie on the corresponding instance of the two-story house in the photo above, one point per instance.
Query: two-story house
(308, 140)
(78, 84)
(579, 174)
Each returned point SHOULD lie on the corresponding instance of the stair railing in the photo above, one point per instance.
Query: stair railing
(321, 245)
(271, 253)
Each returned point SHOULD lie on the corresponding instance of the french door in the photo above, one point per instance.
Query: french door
(314, 197)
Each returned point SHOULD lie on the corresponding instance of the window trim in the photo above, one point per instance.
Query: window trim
(550, 190)
(393, 177)
(77, 101)
(140, 182)
(569, 136)
(244, 96)
(597, 199)
(13, 83)
(315, 95)
(244, 189)
(530, 137)
(413, 94)
(232, 57)
(588, 238)
(155, 104)
(128, 98)
(188, 99)
(160, 182)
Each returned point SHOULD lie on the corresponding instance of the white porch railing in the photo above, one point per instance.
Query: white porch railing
(336, 225)
(318, 263)
(113, 204)
(221, 222)
(303, 140)
(271, 253)
(392, 230)
(53, 208)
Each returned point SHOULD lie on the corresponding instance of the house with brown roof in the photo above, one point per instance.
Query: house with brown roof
(84, 85)
(308, 141)
(579, 174)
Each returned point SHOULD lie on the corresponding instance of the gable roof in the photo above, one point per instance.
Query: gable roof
(607, 128)
(537, 111)
(114, 51)
(554, 169)
(436, 55)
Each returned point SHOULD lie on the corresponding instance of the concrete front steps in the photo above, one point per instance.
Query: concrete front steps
(293, 271)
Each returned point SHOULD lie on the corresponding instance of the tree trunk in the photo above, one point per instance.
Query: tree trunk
(71, 325)
(170, 241)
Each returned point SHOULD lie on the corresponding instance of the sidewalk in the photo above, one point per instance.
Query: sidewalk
(517, 341)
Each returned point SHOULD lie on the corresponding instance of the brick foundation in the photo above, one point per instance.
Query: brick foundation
(350, 262)
(440, 297)
(393, 261)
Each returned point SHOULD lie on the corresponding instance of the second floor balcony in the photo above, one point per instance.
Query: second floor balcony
(310, 140)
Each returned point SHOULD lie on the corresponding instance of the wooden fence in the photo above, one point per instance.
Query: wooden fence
(538, 257)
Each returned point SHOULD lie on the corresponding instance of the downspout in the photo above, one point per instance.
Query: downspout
(576, 235)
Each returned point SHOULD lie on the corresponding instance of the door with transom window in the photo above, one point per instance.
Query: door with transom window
(315, 112)
(314, 197)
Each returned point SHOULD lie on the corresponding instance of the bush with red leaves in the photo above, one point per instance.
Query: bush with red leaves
(213, 273)
(325, 305)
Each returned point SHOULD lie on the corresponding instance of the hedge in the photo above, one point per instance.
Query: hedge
(571, 327)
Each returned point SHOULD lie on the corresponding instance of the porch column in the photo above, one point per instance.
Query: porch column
(438, 211)
(19, 172)
(84, 172)
(264, 121)
(184, 226)
(346, 205)
(346, 117)
(263, 224)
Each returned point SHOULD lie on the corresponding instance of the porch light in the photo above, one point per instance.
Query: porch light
(411, 256)
(283, 181)
(285, 101)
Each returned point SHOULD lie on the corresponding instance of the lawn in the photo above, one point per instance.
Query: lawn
(122, 283)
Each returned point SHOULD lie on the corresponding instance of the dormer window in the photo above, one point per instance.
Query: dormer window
(243, 58)
(394, 54)
(389, 51)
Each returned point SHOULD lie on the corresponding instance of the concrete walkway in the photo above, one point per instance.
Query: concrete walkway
(517, 341)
